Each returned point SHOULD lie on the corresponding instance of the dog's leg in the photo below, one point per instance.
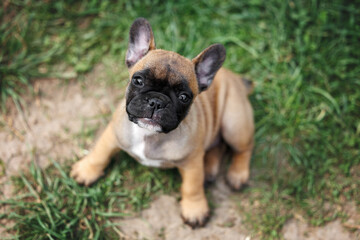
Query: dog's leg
(212, 162)
(194, 207)
(239, 170)
(90, 168)
(238, 132)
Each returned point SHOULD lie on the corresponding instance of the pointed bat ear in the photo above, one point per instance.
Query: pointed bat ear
(141, 41)
(207, 63)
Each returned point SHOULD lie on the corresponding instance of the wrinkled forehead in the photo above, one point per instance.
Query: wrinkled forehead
(168, 66)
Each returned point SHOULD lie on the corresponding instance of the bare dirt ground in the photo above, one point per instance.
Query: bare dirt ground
(46, 125)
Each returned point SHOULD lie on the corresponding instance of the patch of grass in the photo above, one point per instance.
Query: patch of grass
(35, 36)
(307, 136)
(308, 117)
(267, 204)
(265, 210)
(51, 205)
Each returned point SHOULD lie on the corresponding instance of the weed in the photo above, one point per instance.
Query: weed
(50, 204)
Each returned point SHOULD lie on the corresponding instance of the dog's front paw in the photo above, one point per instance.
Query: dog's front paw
(84, 172)
(237, 180)
(195, 213)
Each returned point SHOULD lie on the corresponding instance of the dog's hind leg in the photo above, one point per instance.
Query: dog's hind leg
(212, 162)
(237, 129)
(239, 170)
(241, 145)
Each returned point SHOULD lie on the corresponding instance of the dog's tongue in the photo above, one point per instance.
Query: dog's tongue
(147, 121)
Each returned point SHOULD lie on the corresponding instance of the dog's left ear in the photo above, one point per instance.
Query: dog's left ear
(207, 63)
(141, 41)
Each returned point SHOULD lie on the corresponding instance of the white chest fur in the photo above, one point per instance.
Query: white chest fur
(138, 143)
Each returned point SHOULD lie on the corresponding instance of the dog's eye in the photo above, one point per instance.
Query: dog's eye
(138, 81)
(184, 98)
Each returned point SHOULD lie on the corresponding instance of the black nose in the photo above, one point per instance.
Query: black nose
(156, 103)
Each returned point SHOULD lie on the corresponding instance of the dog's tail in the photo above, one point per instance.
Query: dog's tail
(249, 85)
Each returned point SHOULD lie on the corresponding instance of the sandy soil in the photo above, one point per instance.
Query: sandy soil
(46, 127)
(162, 220)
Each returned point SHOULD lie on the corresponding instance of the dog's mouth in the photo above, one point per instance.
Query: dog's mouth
(149, 124)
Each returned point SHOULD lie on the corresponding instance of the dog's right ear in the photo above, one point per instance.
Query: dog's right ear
(141, 41)
(207, 63)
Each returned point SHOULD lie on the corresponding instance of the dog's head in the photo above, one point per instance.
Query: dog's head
(164, 84)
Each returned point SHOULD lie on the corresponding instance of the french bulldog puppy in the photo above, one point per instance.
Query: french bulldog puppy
(178, 113)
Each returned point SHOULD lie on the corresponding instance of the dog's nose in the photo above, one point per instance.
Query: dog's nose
(156, 103)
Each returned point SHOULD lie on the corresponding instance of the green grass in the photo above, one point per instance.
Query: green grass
(302, 55)
(51, 205)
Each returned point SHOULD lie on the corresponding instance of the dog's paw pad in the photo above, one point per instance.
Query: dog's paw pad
(195, 213)
(84, 173)
(196, 222)
(237, 181)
